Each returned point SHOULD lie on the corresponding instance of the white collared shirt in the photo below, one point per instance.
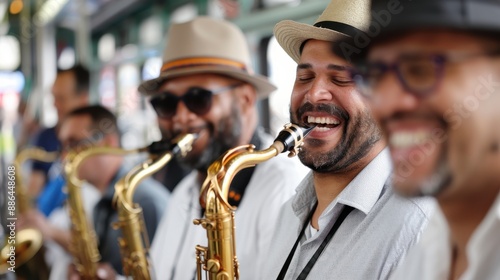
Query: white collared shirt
(370, 242)
(272, 184)
(431, 258)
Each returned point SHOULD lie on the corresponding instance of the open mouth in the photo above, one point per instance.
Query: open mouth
(406, 139)
(322, 123)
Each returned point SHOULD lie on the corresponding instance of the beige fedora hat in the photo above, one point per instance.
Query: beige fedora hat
(341, 19)
(207, 45)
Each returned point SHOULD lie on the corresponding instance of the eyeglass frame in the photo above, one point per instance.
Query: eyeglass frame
(440, 61)
(213, 92)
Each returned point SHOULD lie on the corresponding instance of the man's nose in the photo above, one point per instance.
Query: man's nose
(319, 91)
(390, 97)
(182, 114)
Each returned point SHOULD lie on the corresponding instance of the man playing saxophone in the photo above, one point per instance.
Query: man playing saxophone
(345, 222)
(207, 87)
(95, 126)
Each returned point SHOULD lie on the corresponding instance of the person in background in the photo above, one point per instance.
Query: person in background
(207, 86)
(432, 78)
(95, 126)
(70, 91)
(345, 222)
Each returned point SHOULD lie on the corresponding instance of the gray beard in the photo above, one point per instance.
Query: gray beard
(437, 182)
(225, 138)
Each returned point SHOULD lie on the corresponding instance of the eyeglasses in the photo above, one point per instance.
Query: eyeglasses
(418, 74)
(198, 100)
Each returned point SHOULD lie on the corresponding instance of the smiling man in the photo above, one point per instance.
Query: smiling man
(345, 222)
(432, 79)
(207, 87)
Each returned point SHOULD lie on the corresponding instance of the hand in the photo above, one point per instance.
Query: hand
(104, 272)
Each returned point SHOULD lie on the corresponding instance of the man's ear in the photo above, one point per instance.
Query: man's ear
(248, 97)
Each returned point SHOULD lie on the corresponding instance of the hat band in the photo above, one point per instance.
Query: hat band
(339, 27)
(197, 61)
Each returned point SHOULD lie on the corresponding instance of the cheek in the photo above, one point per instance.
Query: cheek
(296, 100)
(164, 124)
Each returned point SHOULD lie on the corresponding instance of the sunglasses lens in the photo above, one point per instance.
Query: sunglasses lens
(198, 100)
(165, 105)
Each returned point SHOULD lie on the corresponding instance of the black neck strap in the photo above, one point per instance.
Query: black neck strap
(345, 211)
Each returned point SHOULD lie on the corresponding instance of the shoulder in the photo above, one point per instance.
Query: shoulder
(151, 191)
(421, 207)
(46, 137)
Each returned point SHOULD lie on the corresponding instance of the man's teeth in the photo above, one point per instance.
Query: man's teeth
(408, 139)
(322, 120)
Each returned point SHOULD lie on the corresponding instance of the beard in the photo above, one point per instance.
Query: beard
(433, 185)
(359, 134)
(222, 137)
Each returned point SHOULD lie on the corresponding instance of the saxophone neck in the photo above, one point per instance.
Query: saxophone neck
(24, 155)
(166, 150)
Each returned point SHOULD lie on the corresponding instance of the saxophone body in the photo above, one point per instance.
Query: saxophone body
(135, 244)
(219, 258)
(28, 241)
(84, 247)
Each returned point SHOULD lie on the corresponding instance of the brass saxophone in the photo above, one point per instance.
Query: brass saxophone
(219, 259)
(29, 241)
(83, 237)
(135, 243)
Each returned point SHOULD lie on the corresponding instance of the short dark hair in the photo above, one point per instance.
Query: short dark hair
(82, 78)
(103, 120)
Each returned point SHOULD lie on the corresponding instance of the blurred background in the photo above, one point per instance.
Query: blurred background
(121, 42)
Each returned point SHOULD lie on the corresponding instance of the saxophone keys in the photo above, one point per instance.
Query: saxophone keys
(213, 265)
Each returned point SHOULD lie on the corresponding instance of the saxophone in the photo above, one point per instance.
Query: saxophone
(83, 237)
(219, 259)
(135, 243)
(28, 241)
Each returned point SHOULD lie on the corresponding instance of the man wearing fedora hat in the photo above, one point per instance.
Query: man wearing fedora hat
(207, 87)
(345, 222)
(432, 78)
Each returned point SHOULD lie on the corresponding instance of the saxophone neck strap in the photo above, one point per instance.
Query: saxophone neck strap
(303, 275)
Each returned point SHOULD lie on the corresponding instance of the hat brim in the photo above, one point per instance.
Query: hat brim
(263, 87)
(290, 35)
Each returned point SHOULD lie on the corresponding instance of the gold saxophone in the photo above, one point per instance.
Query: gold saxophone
(219, 259)
(135, 242)
(29, 241)
(83, 237)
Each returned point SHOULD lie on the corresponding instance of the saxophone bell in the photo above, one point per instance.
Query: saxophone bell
(28, 245)
(134, 245)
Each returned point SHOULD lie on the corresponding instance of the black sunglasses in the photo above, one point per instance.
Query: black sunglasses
(198, 100)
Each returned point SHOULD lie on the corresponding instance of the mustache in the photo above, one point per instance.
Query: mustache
(330, 109)
(171, 134)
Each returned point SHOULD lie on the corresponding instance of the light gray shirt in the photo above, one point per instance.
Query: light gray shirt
(371, 241)
(431, 258)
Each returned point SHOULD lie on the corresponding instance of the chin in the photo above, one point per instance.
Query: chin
(432, 185)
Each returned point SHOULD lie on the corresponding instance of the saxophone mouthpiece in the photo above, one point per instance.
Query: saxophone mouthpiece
(292, 137)
(181, 142)
(159, 147)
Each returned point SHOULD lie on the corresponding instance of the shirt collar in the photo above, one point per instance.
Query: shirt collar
(361, 193)
(366, 188)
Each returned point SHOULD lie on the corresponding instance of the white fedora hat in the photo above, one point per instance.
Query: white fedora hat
(207, 45)
(340, 20)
